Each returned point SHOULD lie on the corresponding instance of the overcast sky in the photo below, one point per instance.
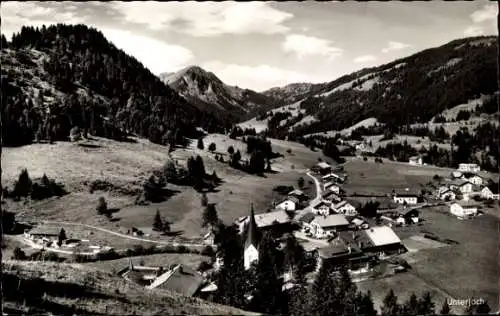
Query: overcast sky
(259, 45)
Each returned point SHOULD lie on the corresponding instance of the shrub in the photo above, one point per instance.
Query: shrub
(365, 159)
(230, 150)
(204, 266)
(289, 151)
(19, 254)
(212, 147)
(208, 251)
(182, 249)
(102, 206)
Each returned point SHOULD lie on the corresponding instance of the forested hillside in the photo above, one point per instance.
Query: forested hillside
(409, 90)
(62, 76)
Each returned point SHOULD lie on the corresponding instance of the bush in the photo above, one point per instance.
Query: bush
(365, 159)
(208, 251)
(204, 266)
(212, 147)
(182, 249)
(289, 151)
(18, 254)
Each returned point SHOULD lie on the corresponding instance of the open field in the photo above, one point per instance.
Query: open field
(163, 260)
(467, 269)
(128, 164)
(368, 177)
(78, 289)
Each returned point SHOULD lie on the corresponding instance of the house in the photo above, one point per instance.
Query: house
(43, 234)
(416, 160)
(408, 196)
(447, 195)
(468, 167)
(490, 192)
(322, 168)
(334, 177)
(383, 240)
(209, 238)
(331, 197)
(339, 254)
(322, 226)
(321, 208)
(359, 223)
(472, 178)
(346, 208)
(279, 221)
(409, 216)
(299, 194)
(289, 204)
(251, 247)
(180, 279)
(331, 186)
(464, 186)
(464, 208)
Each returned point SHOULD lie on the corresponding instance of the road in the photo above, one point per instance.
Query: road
(124, 235)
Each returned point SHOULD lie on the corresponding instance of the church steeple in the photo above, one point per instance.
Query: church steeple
(252, 237)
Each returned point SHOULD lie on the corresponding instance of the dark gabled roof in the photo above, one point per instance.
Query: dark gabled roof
(252, 233)
(307, 217)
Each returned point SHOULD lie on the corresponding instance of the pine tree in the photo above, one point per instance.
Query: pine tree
(364, 304)
(445, 308)
(390, 305)
(230, 150)
(62, 235)
(300, 182)
(157, 222)
(426, 305)
(411, 306)
(23, 185)
(267, 287)
(200, 144)
(166, 226)
(209, 216)
(102, 207)
(212, 147)
(483, 309)
(204, 200)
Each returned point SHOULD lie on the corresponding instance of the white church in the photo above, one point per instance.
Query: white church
(251, 251)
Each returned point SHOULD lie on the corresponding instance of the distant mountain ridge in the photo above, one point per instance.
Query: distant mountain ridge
(205, 90)
(409, 90)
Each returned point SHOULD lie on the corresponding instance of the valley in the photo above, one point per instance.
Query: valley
(127, 191)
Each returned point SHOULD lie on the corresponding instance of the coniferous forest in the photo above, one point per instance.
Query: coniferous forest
(86, 81)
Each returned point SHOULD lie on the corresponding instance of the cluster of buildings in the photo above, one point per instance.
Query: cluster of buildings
(464, 184)
(344, 236)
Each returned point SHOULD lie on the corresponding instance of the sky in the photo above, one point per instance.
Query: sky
(259, 45)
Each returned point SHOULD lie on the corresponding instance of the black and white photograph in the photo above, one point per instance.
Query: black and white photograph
(323, 158)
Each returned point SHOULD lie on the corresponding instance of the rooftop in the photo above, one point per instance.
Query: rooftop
(296, 192)
(323, 165)
(47, 231)
(180, 279)
(290, 198)
(467, 203)
(331, 220)
(382, 235)
(271, 218)
(307, 217)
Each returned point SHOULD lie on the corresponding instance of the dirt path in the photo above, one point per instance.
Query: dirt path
(124, 235)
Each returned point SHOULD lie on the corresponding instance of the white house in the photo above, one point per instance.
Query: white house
(472, 178)
(289, 204)
(321, 208)
(322, 226)
(332, 187)
(406, 196)
(487, 193)
(416, 160)
(345, 208)
(469, 167)
(464, 209)
(447, 195)
(463, 186)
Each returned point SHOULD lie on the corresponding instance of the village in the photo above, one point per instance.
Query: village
(333, 228)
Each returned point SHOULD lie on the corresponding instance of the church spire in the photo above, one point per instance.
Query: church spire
(252, 231)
